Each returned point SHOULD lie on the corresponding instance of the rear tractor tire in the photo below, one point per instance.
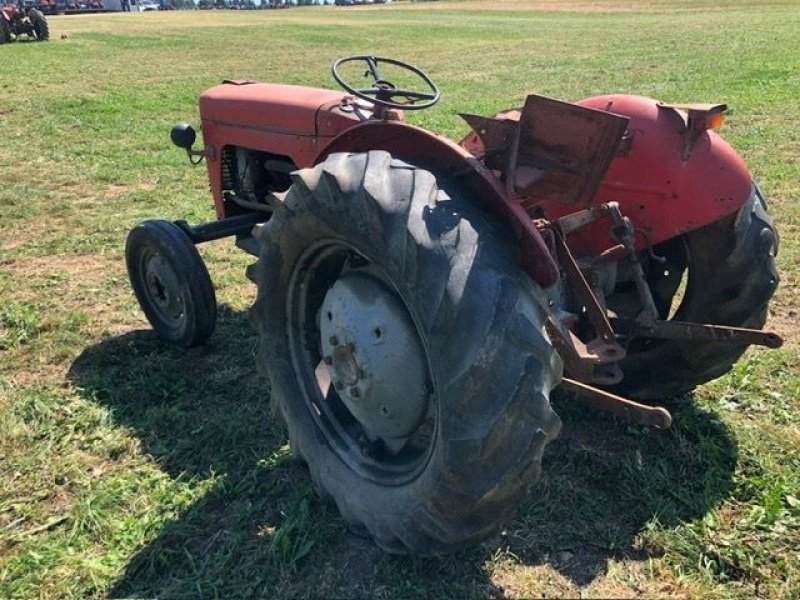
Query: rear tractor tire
(406, 353)
(171, 283)
(730, 275)
(39, 23)
(5, 31)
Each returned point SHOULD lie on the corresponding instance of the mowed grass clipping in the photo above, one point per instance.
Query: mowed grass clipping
(130, 468)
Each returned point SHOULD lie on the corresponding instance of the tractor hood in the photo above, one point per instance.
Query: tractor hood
(282, 109)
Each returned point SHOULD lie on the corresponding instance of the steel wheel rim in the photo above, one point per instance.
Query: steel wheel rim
(162, 288)
(318, 268)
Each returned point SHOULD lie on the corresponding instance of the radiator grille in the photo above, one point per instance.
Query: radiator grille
(228, 167)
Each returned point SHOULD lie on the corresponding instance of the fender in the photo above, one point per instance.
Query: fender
(663, 194)
(455, 166)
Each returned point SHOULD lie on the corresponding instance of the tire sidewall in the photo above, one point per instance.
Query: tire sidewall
(169, 242)
(452, 476)
(39, 24)
(5, 30)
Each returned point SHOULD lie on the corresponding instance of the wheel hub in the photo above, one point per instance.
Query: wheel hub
(375, 359)
(162, 286)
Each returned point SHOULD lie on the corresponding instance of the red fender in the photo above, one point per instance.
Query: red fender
(661, 193)
(452, 163)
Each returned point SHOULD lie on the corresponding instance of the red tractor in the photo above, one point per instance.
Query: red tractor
(419, 299)
(22, 20)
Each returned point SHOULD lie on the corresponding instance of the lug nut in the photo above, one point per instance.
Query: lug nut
(354, 392)
(365, 445)
(334, 340)
(338, 385)
(327, 360)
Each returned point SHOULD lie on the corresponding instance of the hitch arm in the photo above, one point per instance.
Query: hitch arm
(652, 416)
(681, 330)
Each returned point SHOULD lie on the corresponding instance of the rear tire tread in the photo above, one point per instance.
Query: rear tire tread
(495, 417)
(734, 280)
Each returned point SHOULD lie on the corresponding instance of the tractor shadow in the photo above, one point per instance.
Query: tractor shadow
(249, 525)
(607, 484)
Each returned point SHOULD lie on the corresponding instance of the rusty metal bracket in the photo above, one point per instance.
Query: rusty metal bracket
(578, 220)
(681, 330)
(550, 150)
(652, 416)
(698, 118)
(583, 293)
(593, 361)
(622, 231)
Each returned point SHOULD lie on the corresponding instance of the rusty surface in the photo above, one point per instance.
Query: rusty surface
(595, 362)
(584, 295)
(652, 416)
(697, 116)
(681, 330)
(698, 119)
(622, 232)
(574, 221)
(655, 188)
(555, 151)
(496, 135)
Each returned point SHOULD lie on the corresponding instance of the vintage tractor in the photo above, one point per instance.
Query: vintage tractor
(420, 299)
(22, 20)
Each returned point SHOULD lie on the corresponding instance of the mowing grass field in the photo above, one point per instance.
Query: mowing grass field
(133, 469)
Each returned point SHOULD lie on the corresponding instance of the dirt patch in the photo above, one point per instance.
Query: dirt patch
(115, 190)
(38, 374)
(785, 321)
(350, 571)
(533, 581)
(86, 268)
(13, 237)
(64, 287)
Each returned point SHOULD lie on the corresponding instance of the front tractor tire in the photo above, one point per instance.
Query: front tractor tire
(406, 353)
(171, 283)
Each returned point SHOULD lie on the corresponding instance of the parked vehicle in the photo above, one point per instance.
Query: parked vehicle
(19, 20)
(419, 299)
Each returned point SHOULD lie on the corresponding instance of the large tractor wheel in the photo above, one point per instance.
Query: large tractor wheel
(39, 23)
(171, 283)
(405, 351)
(5, 30)
(729, 272)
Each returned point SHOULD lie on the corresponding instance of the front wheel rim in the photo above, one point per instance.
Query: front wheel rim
(160, 285)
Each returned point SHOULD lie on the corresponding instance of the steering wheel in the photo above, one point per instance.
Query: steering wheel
(384, 92)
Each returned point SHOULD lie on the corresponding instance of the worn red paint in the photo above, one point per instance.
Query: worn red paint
(306, 124)
(662, 194)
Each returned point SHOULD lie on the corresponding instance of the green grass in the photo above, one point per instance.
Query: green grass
(133, 469)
